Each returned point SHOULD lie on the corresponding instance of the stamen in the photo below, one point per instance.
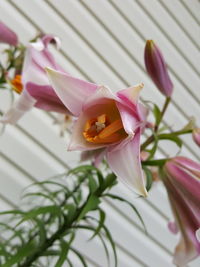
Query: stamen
(100, 131)
(112, 128)
(17, 84)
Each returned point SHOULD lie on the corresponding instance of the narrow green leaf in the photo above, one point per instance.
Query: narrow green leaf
(172, 138)
(157, 114)
(109, 181)
(109, 237)
(41, 210)
(92, 184)
(19, 212)
(69, 262)
(149, 178)
(71, 210)
(24, 252)
(156, 162)
(92, 203)
(93, 229)
(130, 204)
(85, 169)
(102, 217)
(16, 233)
(63, 254)
(42, 231)
(78, 254)
(40, 194)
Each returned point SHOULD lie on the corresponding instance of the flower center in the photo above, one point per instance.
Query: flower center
(101, 130)
(17, 84)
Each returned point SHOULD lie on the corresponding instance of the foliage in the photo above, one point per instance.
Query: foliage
(62, 207)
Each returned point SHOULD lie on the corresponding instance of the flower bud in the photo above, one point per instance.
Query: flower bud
(156, 68)
(7, 35)
(196, 136)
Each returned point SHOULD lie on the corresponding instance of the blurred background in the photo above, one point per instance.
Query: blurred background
(103, 42)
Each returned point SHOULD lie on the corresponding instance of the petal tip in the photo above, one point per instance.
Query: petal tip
(143, 192)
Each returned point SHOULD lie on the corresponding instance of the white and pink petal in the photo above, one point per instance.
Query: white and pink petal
(72, 91)
(21, 106)
(124, 160)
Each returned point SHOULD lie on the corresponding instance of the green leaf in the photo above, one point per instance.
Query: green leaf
(24, 252)
(130, 204)
(157, 114)
(92, 184)
(91, 228)
(71, 210)
(172, 138)
(19, 212)
(63, 254)
(109, 237)
(41, 231)
(78, 254)
(156, 162)
(88, 168)
(40, 194)
(41, 210)
(109, 181)
(69, 263)
(102, 217)
(92, 203)
(149, 178)
(16, 233)
(107, 234)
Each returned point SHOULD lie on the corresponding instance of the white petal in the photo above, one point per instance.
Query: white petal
(124, 160)
(72, 91)
(23, 104)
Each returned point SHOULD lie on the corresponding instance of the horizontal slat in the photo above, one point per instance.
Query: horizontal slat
(183, 19)
(192, 6)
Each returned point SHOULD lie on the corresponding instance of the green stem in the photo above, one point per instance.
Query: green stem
(157, 162)
(160, 136)
(152, 137)
(166, 104)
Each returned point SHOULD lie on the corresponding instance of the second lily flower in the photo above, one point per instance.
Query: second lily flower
(111, 123)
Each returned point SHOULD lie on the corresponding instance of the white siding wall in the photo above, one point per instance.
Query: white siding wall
(103, 41)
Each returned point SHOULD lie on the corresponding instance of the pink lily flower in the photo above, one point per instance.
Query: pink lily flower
(181, 177)
(7, 36)
(112, 123)
(33, 83)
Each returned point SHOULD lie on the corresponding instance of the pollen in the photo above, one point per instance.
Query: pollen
(17, 85)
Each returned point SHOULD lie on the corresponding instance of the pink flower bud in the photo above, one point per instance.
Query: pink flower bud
(7, 35)
(196, 136)
(156, 68)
